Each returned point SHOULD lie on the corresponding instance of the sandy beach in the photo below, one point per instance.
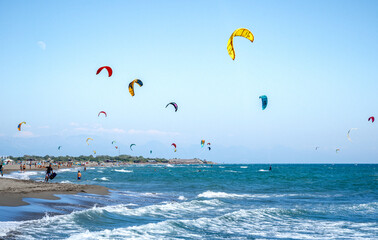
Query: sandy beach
(14, 190)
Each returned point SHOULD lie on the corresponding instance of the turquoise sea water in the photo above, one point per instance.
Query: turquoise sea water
(204, 202)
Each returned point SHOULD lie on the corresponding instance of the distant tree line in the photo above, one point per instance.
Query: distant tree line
(90, 158)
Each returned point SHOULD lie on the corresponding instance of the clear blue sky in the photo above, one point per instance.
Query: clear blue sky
(315, 60)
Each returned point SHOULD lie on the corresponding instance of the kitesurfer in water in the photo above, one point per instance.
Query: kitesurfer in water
(270, 168)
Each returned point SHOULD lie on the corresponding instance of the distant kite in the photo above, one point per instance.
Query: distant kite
(174, 145)
(59, 147)
(110, 71)
(131, 86)
(372, 119)
(337, 150)
(264, 101)
(349, 133)
(241, 32)
(88, 140)
(102, 113)
(132, 146)
(19, 126)
(173, 104)
(202, 143)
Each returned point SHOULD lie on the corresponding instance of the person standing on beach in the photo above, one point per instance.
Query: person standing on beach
(1, 169)
(49, 171)
(78, 175)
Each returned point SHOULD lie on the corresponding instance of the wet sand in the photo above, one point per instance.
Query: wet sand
(14, 190)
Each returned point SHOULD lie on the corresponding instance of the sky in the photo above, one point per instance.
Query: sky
(315, 60)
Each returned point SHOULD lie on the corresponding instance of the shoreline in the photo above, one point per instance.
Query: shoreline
(15, 190)
(7, 169)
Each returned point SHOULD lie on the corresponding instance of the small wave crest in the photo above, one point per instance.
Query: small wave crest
(210, 194)
(182, 198)
(101, 179)
(123, 170)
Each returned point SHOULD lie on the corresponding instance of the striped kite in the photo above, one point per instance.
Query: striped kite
(131, 86)
(19, 126)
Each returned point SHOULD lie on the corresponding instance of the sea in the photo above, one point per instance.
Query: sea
(292, 201)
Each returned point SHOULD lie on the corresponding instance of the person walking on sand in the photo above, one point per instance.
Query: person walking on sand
(49, 171)
(78, 175)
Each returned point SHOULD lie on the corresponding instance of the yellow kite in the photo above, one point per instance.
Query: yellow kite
(241, 32)
(131, 86)
(88, 140)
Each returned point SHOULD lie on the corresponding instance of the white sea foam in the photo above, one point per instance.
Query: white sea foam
(150, 194)
(66, 170)
(6, 227)
(272, 223)
(221, 167)
(263, 170)
(182, 198)
(241, 224)
(65, 181)
(210, 194)
(23, 175)
(231, 171)
(102, 179)
(243, 167)
(123, 170)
